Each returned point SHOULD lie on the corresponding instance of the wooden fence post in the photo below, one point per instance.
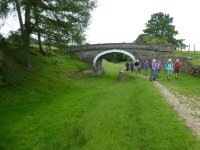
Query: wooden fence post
(188, 48)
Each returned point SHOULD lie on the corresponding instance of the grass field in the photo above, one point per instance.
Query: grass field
(195, 56)
(50, 111)
(186, 84)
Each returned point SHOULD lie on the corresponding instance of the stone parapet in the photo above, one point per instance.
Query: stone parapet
(119, 46)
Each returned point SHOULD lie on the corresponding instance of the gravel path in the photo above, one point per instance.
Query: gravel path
(183, 105)
(184, 110)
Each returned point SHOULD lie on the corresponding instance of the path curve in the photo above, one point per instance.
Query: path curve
(186, 113)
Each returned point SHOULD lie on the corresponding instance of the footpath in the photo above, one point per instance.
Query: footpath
(182, 106)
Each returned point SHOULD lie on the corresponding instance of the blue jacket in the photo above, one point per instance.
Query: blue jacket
(169, 66)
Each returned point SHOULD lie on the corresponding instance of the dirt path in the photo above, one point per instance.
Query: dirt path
(184, 110)
(183, 105)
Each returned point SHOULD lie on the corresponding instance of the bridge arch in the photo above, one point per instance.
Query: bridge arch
(97, 62)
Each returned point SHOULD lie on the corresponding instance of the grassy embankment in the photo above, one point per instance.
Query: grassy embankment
(49, 110)
(195, 56)
(186, 84)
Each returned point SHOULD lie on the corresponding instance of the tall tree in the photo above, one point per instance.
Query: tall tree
(7, 7)
(60, 21)
(37, 20)
(161, 30)
(149, 39)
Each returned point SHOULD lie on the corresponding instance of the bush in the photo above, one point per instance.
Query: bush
(12, 72)
(11, 64)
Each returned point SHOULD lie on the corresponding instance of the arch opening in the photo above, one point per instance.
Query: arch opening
(97, 62)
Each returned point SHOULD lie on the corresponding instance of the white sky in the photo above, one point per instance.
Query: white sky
(123, 20)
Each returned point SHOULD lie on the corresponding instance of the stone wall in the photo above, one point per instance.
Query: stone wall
(186, 64)
(123, 46)
(195, 71)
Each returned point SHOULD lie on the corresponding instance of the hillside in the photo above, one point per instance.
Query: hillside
(48, 109)
(194, 56)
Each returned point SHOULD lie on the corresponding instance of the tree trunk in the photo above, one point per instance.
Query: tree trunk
(25, 32)
(27, 36)
(3, 47)
(38, 31)
(40, 44)
(19, 16)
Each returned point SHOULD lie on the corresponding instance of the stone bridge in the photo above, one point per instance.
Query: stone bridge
(93, 54)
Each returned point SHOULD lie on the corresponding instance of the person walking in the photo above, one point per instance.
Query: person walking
(169, 67)
(127, 65)
(139, 66)
(136, 66)
(132, 65)
(159, 68)
(153, 70)
(177, 67)
(146, 66)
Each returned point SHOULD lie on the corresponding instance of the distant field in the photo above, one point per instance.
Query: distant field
(186, 84)
(195, 56)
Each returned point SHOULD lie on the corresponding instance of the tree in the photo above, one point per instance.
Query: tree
(22, 7)
(149, 39)
(160, 29)
(60, 21)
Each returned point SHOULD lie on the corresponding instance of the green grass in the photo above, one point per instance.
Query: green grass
(187, 84)
(195, 56)
(49, 110)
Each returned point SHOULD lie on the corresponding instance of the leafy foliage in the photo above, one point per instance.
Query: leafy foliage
(160, 30)
(116, 57)
(149, 39)
(63, 22)
(160, 25)
(60, 21)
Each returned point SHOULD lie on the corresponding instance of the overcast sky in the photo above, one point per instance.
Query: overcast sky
(123, 20)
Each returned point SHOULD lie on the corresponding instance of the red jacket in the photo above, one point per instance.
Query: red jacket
(177, 66)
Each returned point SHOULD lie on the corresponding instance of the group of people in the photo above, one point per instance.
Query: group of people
(169, 67)
(155, 67)
(134, 65)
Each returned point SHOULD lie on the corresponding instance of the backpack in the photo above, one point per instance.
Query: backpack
(167, 64)
(160, 66)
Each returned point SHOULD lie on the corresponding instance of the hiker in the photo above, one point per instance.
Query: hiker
(169, 67)
(177, 67)
(159, 68)
(146, 66)
(139, 66)
(136, 66)
(127, 65)
(132, 66)
(153, 70)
